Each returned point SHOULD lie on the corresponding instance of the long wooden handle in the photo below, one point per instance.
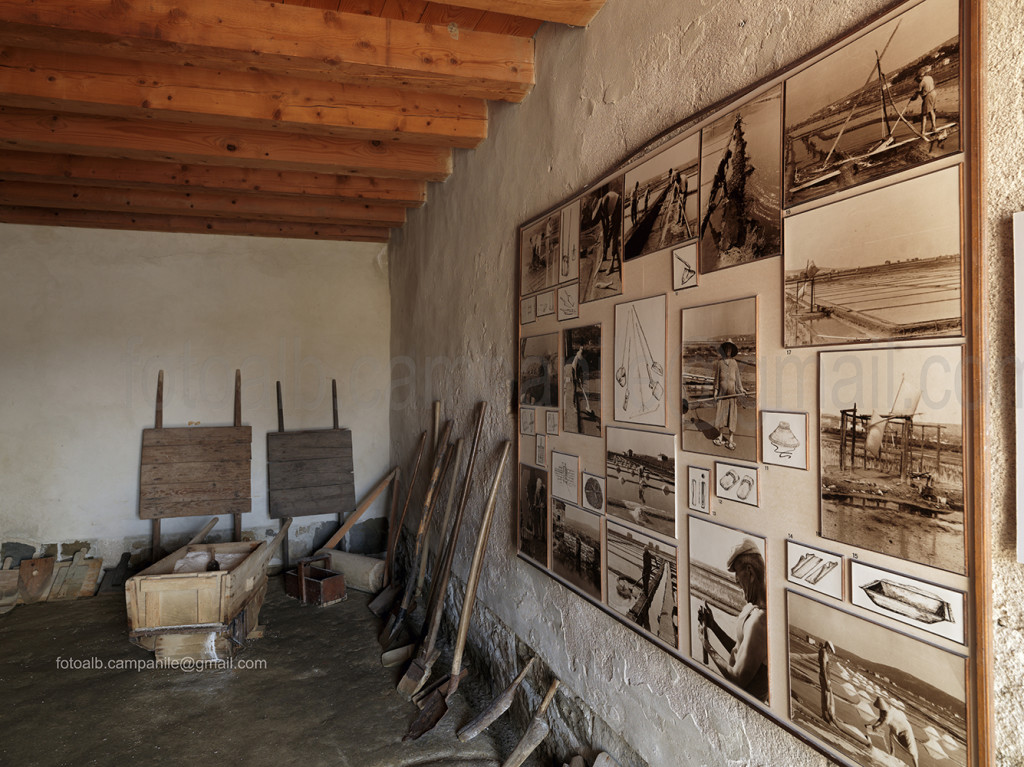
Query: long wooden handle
(360, 510)
(543, 707)
(496, 708)
(477, 565)
(276, 542)
(408, 496)
(204, 532)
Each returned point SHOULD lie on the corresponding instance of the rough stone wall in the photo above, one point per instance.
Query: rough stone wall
(642, 66)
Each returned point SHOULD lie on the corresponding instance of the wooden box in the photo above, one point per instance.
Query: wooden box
(179, 608)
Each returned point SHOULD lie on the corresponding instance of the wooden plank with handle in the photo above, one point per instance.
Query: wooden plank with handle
(496, 708)
(535, 733)
(436, 705)
(34, 579)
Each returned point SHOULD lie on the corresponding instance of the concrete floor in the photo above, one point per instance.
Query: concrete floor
(322, 698)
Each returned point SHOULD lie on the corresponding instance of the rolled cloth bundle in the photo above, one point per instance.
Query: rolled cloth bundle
(361, 573)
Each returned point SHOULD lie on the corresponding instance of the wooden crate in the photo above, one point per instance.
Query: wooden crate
(177, 608)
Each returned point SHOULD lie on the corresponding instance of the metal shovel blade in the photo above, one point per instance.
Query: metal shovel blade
(417, 674)
(435, 706)
(381, 603)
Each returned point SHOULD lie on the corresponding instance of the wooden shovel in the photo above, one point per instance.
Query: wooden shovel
(381, 486)
(497, 707)
(436, 704)
(535, 733)
(381, 603)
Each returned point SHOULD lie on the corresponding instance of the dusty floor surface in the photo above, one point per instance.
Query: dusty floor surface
(321, 698)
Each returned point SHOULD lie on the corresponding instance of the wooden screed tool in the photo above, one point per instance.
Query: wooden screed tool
(436, 704)
(497, 707)
(535, 733)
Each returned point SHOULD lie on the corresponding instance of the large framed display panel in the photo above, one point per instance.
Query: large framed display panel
(850, 142)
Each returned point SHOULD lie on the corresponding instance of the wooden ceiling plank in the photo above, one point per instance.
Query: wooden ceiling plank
(463, 18)
(504, 24)
(404, 10)
(198, 203)
(63, 133)
(365, 7)
(280, 39)
(189, 224)
(137, 174)
(100, 85)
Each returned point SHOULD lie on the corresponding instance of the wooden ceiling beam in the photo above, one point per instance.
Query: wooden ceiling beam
(281, 39)
(137, 174)
(189, 224)
(578, 13)
(98, 85)
(198, 203)
(64, 133)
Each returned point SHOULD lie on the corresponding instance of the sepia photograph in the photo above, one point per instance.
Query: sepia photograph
(642, 582)
(640, 362)
(728, 605)
(784, 438)
(883, 103)
(528, 310)
(601, 242)
(741, 184)
(569, 302)
(551, 422)
(879, 266)
(878, 697)
(660, 209)
(565, 477)
(576, 547)
(538, 371)
(891, 452)
(684, 267)
(527, 421)
(736, 483)
(815, 569)
(540, 451)
(569, 259)
(539, 251)
(923, 605)
(641, 479)
(719, 383)
(581, 377)
(533, 513)
(593, 492)
(699, 489)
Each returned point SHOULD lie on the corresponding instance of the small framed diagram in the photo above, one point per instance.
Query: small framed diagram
(640, 361)
(698, 489)
(784, 439)
(540, 454)
(565, 477)
(814, 569)
(527, 425)
(528, 310)
(546, 304)
(684, 267)
(569, 258)
(923, 605)
(593, 492)
(551, 422)
(569, 302)
(736, 483)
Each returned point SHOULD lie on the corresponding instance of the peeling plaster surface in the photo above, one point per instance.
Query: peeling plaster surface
(88, 317)
(602, 93)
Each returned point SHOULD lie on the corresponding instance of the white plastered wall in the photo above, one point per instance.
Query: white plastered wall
(641, 67)
(88, 317)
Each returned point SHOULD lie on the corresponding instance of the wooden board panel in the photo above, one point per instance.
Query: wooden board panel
(202, 508)
(212, 490)
(192, 435)
(310, 472)
(306, 445)
(331, 499)
(197, 453)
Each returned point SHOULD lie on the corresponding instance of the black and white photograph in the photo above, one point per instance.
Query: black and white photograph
(719, 383)
(640, 362)
(527, 421)
(879, 266)
(539, 252)
(601, 242)
(641, 479)
(815, 569)
(923, 605)
(538, 371)
(883, 103)
(576, 547)
(684, 267)
(528, 310)
(642, 582)
(546, 303)
(533, 513)
(593, 493)
(876, 696)
(741, 184)
(565, 477)
(734, 482)
(891, 452)
(551, 422)
(569, 259)
(568, 302)
(581, 377)
(540, 451)
(784, 438)
(699, 489)
(728, 605)
(660, 209)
